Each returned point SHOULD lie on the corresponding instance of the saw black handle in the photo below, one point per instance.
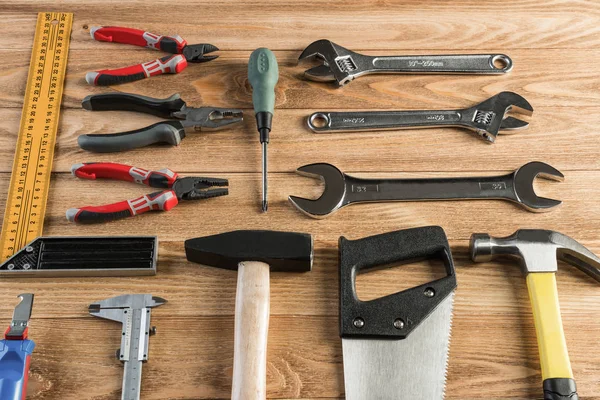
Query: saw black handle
(560, 389)
(412, 305)
(133, 102)
(169, 132)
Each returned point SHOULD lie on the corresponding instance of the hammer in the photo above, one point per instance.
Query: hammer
(253, 253)
(537, 251)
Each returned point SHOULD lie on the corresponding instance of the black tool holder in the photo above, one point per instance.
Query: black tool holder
(394, 316)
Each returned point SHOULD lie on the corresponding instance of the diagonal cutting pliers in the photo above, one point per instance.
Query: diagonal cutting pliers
(183, 118)
(182, 54)
(188, 188)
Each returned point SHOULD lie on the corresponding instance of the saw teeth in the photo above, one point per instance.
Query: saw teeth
(449, 340)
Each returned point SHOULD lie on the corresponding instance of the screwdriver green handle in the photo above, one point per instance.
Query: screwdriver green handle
(263, 74)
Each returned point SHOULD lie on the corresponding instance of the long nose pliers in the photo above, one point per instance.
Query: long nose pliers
(188, 188)
(182, 54)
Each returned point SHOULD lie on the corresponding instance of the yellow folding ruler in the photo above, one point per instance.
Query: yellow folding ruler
(32, 166)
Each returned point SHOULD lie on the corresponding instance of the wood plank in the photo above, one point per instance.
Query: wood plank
(282, 25)
(191, 358)
(493, 347)
(449, 150)
(223, 82)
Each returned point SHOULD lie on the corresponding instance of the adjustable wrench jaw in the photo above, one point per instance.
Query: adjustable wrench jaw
(489, 117)
(338, 63)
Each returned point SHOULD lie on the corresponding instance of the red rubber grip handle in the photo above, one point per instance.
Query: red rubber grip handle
(137, 37)
(167, 65)
(163, 201)
(163, 178)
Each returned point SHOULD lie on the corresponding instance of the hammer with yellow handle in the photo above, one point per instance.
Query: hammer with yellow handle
(537, 251)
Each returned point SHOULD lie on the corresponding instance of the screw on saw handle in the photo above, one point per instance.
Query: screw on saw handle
(163, 201)
(169, 132)
(138, 37)
(166, 65)
(263, 74)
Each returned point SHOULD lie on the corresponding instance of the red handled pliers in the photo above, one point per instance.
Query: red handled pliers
(173, 64)
(188, 188)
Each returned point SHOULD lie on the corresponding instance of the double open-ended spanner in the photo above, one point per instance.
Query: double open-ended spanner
(487, 118)
(342, 65)
(341, 189)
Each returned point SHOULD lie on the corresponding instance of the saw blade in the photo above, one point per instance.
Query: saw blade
(412, 368)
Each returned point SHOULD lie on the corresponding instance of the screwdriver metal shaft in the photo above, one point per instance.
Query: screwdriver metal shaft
(265, 205)
(263, 74)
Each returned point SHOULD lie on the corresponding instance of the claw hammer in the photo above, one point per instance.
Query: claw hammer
(537, 251)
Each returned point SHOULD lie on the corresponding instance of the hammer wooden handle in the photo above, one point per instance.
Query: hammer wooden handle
(251, 331)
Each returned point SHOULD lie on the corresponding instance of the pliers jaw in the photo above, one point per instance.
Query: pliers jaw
(199, 188)
(195, 53)
(210, 118)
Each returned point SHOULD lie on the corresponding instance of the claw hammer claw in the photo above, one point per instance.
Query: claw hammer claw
(537, 251)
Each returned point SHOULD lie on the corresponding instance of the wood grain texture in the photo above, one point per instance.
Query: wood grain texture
(493, 352)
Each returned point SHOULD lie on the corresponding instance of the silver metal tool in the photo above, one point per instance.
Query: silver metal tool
(133, 311)
(396, 347)
(486, 119)
(342, 65)
(21, 316)
(341, 189)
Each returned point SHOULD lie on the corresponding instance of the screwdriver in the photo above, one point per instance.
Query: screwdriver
(263, 74)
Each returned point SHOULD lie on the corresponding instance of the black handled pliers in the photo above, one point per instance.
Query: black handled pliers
(184, 119)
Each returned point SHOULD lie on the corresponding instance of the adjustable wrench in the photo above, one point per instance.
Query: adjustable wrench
(343, 65)
(486, 118)
(342, 190)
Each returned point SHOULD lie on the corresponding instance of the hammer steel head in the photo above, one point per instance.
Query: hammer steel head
(283, 251)
(537, 251)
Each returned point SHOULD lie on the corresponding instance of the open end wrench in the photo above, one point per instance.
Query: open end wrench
(486, 118)
(342, 65)
(341, 189)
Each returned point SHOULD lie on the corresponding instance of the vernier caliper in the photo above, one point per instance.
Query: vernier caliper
(133, 311)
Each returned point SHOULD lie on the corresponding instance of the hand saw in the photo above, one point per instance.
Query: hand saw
(396, 347)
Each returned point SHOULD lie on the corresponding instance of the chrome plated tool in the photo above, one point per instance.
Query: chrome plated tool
(341, 65)
(342, 190)
(487, 119)
(133, 312)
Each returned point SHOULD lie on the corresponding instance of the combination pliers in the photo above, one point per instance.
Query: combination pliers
(184, 119)
(188, 188)
(182, 54)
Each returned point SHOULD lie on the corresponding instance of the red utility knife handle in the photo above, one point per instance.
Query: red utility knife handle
(137, 37)
(162, 201)
(163, 178)
(167, 65)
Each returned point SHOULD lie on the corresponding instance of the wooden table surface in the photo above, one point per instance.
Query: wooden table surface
(493, 353)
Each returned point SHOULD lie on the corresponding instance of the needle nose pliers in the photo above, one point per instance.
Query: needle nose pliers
(173, 64)
(183, 118)
(188, 188)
